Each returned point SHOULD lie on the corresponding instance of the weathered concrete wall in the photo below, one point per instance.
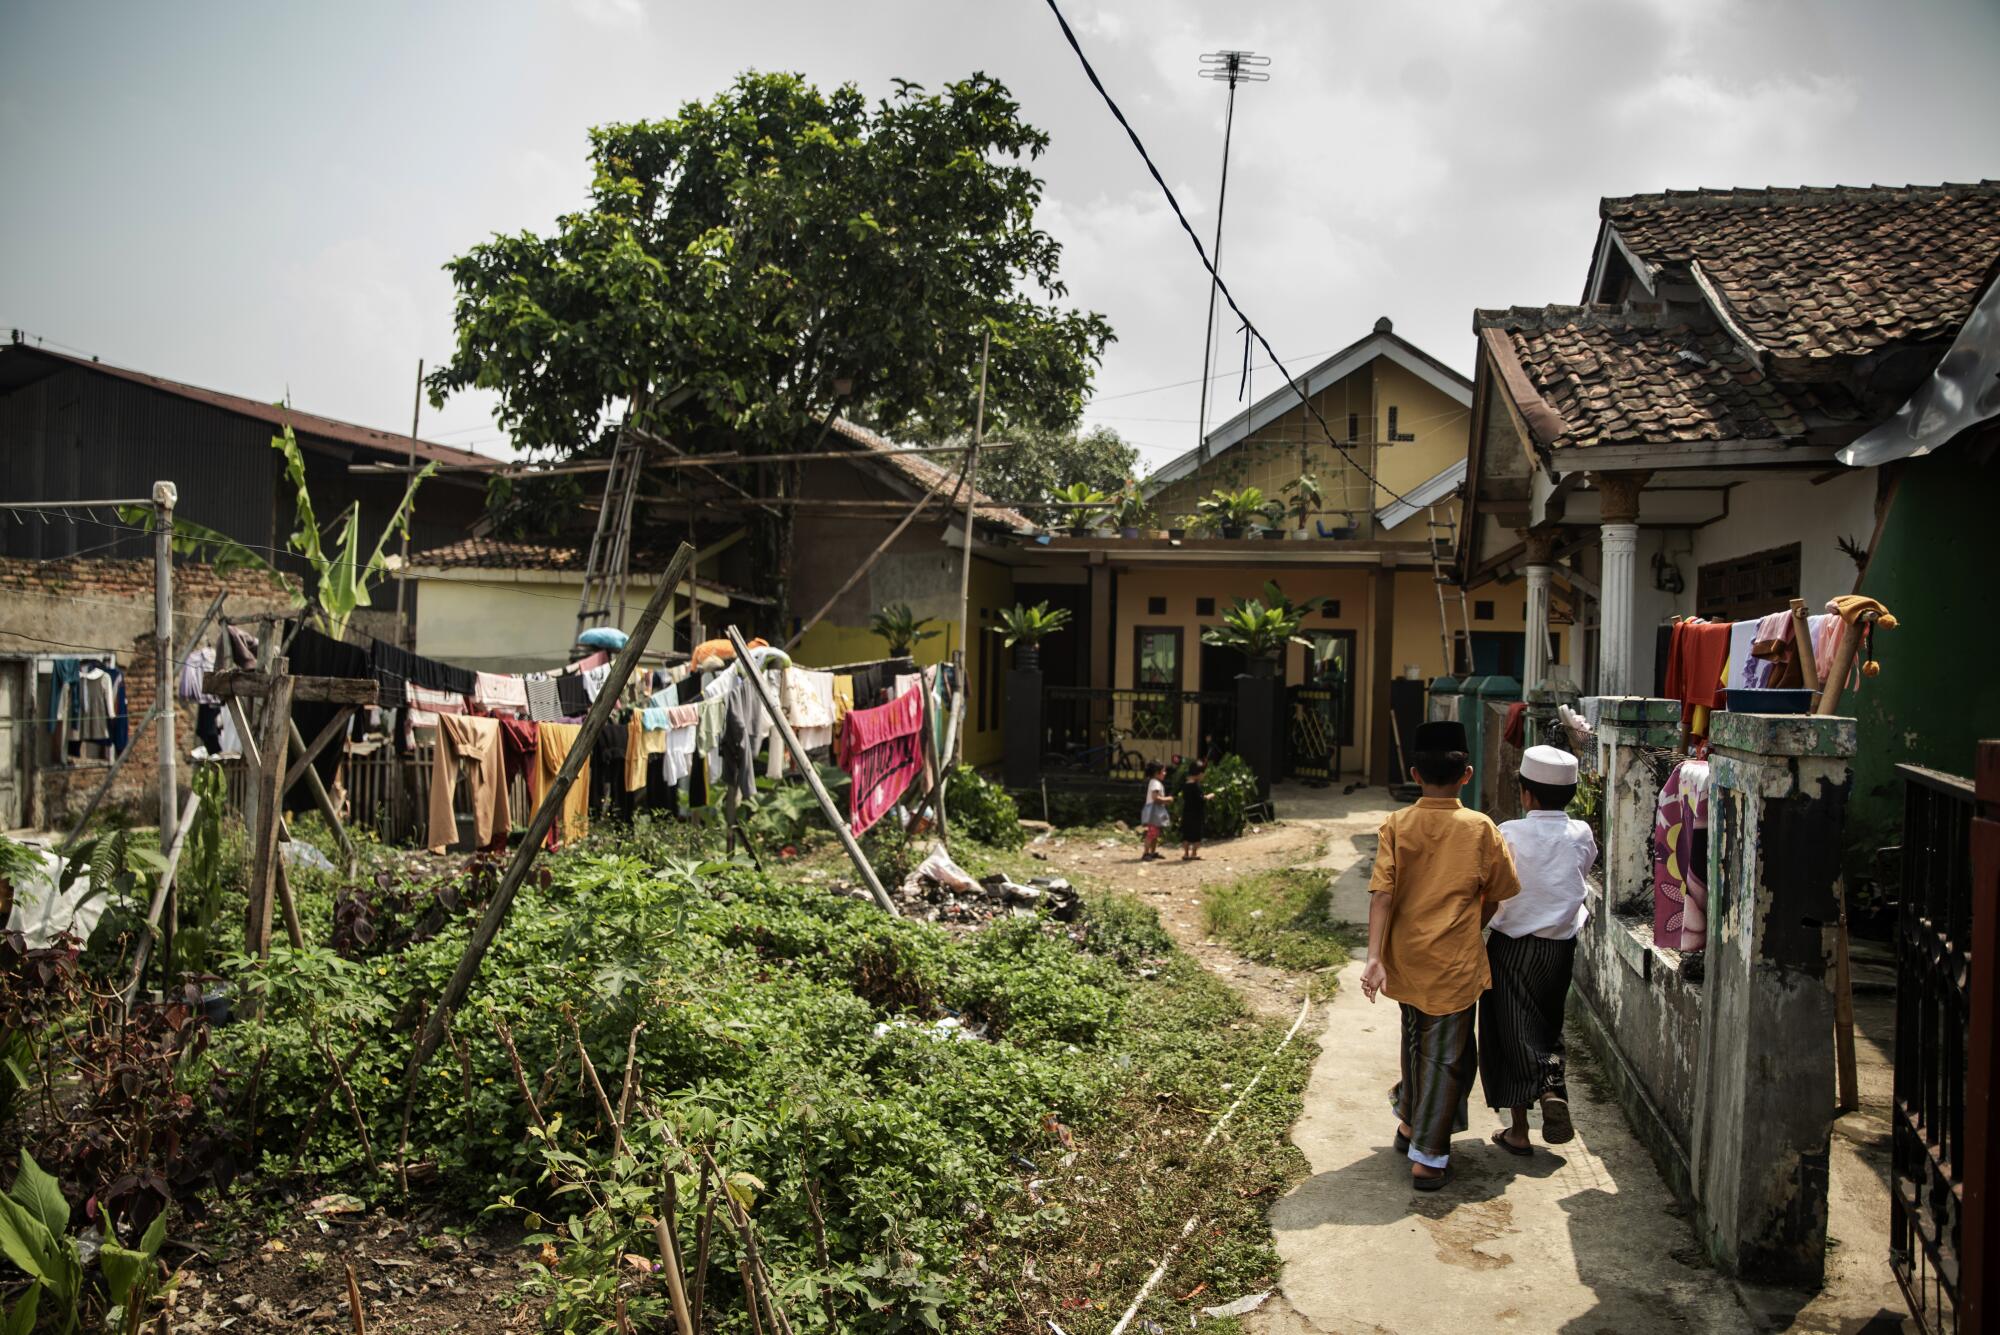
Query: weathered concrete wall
(1778, 805)
(1641, 1008)
(1722, 1058)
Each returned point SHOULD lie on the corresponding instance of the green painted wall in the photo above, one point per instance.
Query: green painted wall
(1936, 696)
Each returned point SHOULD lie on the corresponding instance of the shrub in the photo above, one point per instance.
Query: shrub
(983, 810)
(1232, 790)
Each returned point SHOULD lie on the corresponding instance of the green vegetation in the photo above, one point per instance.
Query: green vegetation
(901, 628)
(1231, 788)
(982, 811)
(1282, 918)
(1029, 625)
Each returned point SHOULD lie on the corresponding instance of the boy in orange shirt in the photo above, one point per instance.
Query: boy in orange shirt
(1441, 871)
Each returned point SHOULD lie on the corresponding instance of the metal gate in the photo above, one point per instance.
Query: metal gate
(1947, 939)
(1315, 726)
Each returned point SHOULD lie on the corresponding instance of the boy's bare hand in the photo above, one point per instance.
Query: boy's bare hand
(1373, 979)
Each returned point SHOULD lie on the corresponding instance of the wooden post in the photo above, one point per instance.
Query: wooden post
(270, 813)
(302, 768)
(1844, 653)
(449, 1002)
(971, 492)
(164, 498)
(253, 761)
(1802, 645)
(832, 812)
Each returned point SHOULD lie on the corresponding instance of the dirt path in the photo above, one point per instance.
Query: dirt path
(1174, 888)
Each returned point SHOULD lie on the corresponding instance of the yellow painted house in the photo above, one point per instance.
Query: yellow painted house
(1140, 604)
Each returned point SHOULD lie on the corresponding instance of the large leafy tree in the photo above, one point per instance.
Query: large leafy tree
(1041, 461)
(771, 255)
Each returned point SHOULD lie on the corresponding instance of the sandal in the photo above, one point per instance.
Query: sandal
(1402, 1143)
(1557, 1129)
(1500, 1139)
(1431, 1183)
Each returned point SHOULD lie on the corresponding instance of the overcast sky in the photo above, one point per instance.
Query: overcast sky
(258, 197)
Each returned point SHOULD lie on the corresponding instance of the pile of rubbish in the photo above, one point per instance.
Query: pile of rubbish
(939, 890)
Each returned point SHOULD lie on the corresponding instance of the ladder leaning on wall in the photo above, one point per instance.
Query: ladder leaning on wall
(1443, 543)
(609, 566)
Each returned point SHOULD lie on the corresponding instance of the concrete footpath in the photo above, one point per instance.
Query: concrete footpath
(1583, 1238)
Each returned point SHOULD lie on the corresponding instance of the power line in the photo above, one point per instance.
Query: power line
(1180, 215)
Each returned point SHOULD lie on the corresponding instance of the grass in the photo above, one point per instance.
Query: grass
(1282, 918)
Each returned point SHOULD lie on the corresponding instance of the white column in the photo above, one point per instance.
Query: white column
(1535, 673)
(1618, 542)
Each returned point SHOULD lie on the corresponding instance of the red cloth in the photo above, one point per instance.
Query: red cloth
(882, 750)
(520, 740)
(1696, 653)
(1514, 732)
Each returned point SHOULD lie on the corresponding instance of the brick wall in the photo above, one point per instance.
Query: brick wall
(80, 607)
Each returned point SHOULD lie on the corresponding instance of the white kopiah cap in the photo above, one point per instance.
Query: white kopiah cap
(1548, 764)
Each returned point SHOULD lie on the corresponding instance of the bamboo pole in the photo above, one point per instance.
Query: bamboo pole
(294, 932)
(538, 825)
(1802, 645)
(1844, 653)
(798, 754)
(161, 893)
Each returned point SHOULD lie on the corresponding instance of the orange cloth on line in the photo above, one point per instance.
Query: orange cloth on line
(1440, 864)
(722, 651)
(477, 742)
(641, 742)
(573, 821)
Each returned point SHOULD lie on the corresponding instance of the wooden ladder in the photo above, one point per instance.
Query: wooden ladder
(608, 569)
(1444, 542)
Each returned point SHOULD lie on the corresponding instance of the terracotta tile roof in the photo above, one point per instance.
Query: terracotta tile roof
(1590, 375)
(919, 470)
(387, 444)
(1812, 274)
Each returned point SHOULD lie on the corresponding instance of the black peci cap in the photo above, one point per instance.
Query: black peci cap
(1440, 736)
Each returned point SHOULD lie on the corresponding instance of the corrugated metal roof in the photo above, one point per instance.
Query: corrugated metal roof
(17, 368)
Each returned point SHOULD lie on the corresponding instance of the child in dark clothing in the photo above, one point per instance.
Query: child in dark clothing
(1194, 811)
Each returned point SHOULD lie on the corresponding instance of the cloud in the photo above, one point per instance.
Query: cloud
(619, 15)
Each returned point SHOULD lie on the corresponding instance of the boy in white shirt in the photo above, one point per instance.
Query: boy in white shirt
(1530, 950)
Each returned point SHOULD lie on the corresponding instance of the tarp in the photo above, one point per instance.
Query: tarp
(1963, 392)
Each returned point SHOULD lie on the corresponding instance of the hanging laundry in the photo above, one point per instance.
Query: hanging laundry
(544, 702)
(589, 661)
(883, 752)
(477, 742)
(426, 704)
(99, 703)
(607, 767)
(499, 692)
(553, 743)
(642, 742)
(678, 760)
(1771, 650)
(1696, 653)
(63, 676)
(194, 671)
(1737, 667)
(520, 740)
(242, 646)
(396, 669)
(313, 654)
(593, 680)
(571, 697)
(812, 716)
(843, 697)
(1680, 859)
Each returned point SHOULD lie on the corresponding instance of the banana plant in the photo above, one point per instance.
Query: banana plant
(34, 1235)
(1027, 625)
(343, 582)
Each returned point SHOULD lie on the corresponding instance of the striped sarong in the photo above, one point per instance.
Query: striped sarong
(1521, 1019)
(1439, 1059)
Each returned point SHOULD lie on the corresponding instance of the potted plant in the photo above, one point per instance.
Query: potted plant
(1230, 512)
(1303, 500)
(1130, 513)
(1022, 628)
(902, 628)
(1274, 521)
(1182, 525)
(1084, 505)
(1256, 630)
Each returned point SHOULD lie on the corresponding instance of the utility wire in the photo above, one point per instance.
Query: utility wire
(1201, 250)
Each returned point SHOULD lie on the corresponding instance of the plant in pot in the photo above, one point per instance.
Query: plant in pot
(1257, 630)
(1022, 628)
(1302, 502)
(902, 628)
(1273, 527)
(1083, 506)
(1181, 525)
(1130, 513)
(1231, 512)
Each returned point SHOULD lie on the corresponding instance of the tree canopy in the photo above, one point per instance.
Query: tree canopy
(1041, 461)
(774, 253)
